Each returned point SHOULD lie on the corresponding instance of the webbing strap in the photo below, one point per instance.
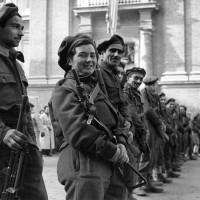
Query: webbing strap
(93, 94)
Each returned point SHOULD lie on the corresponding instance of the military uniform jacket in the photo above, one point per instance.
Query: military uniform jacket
(135, 107)
(11, 89)
(114, 90)
(150, 100)
(67, 112)
(168, 120)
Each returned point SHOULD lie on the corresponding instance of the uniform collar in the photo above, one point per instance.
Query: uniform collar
(83, 78)
(4, 51)
(132, 89)
(106, 67)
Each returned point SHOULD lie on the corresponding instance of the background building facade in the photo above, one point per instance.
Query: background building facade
(161, 36)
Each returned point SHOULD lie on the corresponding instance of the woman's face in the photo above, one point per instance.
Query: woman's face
(84, 60)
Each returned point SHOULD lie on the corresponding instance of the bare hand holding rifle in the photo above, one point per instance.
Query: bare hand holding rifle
(16, 140)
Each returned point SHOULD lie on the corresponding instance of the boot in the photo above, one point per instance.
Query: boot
(139, 192)
(176, 169)
(150, 188)
(171, 174)
(161, 178)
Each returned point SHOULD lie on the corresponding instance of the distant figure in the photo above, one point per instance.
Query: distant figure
(37, 125)
(41, 112)
(47, 136)
(195, 125)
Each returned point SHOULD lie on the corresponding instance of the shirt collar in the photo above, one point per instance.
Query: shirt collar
(4, 51)
(110, 69)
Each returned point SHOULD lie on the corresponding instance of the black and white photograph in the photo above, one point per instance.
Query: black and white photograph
(99, 100)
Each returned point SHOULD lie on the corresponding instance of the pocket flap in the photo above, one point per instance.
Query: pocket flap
(7, 78)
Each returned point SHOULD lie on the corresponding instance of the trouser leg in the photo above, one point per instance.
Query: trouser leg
(87, 178)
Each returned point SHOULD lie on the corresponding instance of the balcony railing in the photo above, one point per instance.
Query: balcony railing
(91, 3)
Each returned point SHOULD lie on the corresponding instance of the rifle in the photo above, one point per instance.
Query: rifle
(88, 101)
(14, 172)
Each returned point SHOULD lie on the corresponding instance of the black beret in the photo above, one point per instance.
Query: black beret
(184, 107)
(115, 39)
(162, 94)
(150, 80)
(136, 70)
(170, 100)
(7, 11)
(68, 44)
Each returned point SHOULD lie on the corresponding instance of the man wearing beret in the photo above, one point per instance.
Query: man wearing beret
(170, 131)
(155, 126)
(88, 154)
(175, 137)
(13, 85)
(132, 96)
(187, 131)
(111, 52)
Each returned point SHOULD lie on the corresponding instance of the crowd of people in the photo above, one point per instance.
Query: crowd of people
(101, 117)
(172, 135)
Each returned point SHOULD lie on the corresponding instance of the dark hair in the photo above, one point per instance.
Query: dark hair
(170, 100)
(162, 94)
(184, 107)
(45, 107)
(73, 49)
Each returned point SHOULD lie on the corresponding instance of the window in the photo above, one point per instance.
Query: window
(129, 55)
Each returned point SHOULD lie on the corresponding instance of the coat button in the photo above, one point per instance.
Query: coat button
(4, 80)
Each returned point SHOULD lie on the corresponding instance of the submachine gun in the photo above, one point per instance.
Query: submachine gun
(87, 100)
(15, 171)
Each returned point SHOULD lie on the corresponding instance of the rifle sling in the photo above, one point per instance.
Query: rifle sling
(94, 93)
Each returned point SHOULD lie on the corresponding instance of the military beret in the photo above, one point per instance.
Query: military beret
(7, 11)
(136, 70)
(115, 39)
(150, 80)
(162, 94)
(68, 44)
(170, 100)
(184, 107)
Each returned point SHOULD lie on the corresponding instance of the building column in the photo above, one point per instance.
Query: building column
(195, 66)
(38, 34)
(85, 25)
(174, 43)
(145, 51)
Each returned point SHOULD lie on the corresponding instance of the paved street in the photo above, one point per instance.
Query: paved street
(187, 187)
